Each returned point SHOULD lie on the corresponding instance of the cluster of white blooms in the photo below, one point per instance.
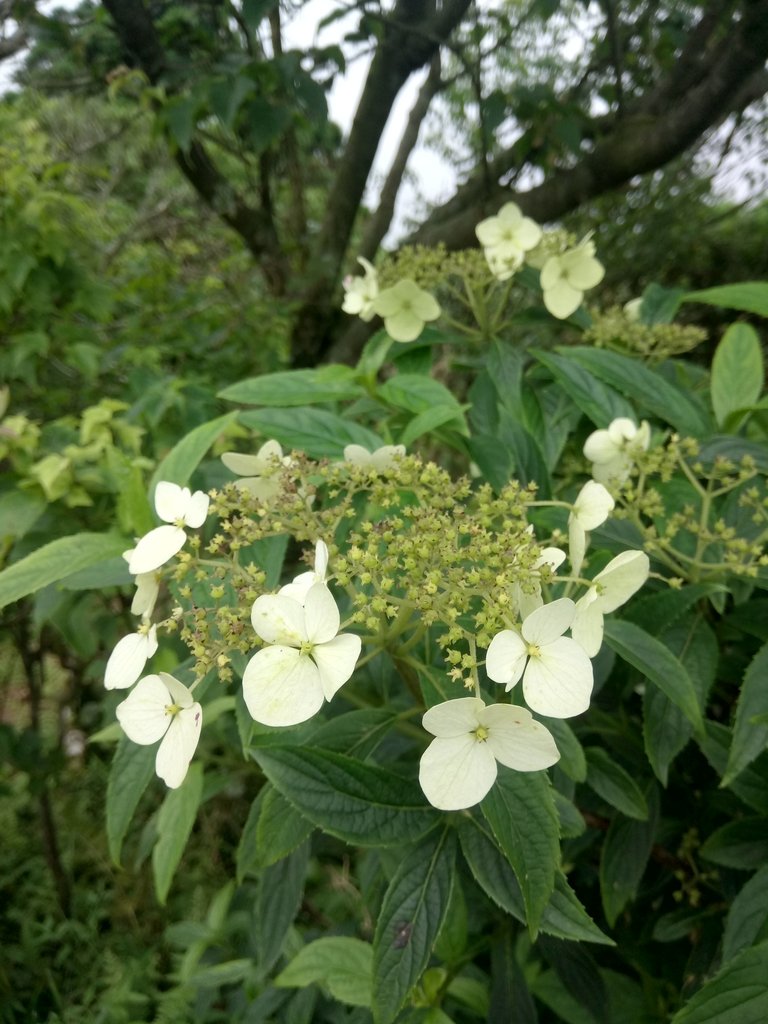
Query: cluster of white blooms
(613, 451)
(404, 307)
(506, 238)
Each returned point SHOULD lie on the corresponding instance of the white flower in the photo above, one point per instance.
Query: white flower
(299, 587)
(379, 460)
(147, 590)
(527, 601)
(611, 588)
(612, 452)
(361, 292)
(566, 277)
(632, 310)
(127, 660)
(556, 673)
(405, 309)
(160, 707)
(506, 238)
(307, 662)
(178, 507)
(258, 473)
(458, 768)
(590, 510)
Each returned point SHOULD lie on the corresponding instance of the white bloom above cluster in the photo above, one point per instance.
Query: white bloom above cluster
(405, 309)
(613, 451)
(506, 238)
(162, 708)
(178, 507)
(611, 588)
(556, 672)
(566, 277)
(257, 472)
(307, 661)
(591, 509)
(379, 460)
(300, 586)
(459, 766)
(361, 292)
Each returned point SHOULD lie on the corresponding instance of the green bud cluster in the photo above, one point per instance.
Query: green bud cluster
(613, 329)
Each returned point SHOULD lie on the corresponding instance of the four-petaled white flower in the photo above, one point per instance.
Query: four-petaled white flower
(458, 768)
(300, 586)
(361, 292)
(613, 451)
(590, 510)
(566, 277)
(162, 708)
(258, 473)
(405, 309)
(556, 672)
(611, 588)
(506, 238)
(127, 660)
(379, 460)
(178, 507)
(307, 662)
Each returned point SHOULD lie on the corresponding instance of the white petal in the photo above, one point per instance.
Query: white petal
(621, 578)
(279, 620)
(357, 455)
(243, 465)
(585, 272)
(457, 772)
(551, 274)
(262, 488)
(517, 741)
(298, 589)
(156, 548)
(577, 544)
(321, 560)
(178, 691)
(336, 661)
(171, 501)
(383, 458)
(454, 717)
(143, 714)
(593, 505)
(587, 626)
(559, 682)
(147, 589)
(178, 746)
(197, 509)
(553, 557)
(282, 687)
(621, 430)
(562, 299)
(505, 659)
(549, 622)
(600, 447)
(127, 660)
(321, 614)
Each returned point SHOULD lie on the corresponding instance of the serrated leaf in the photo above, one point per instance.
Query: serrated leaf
(417, 393)
(246, 858)
(655, 613)
(356, 733)
(281, 887)
(747, 918)
(741, 844)
(737, 371)
(319, 433)
(577, 970)
(132, 768)
(611, 782)
(174, 826)
(572, 760)
(280, 828)
(521, 812)
(296, 387)
(426, 421)
(409, 922)
(357, 802)
(344, 966)
(183, 459)
(749, 296)
(228, 973)
(624, 857)
(736, 995)
(55, 561)
(749, 738)
(599, 402)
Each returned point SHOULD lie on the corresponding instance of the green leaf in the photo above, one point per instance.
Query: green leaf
(281, 888)
(611, 782)
(645, 386)
(741, 844)
(319, 433)
(749, 738)
(572, 760)
(417, 393)
(569, 817)
(737, 371)
(521, 812)
(660, 305)
(736, 995)
(184, 458)
(655, 613)
(510, 999)
(409, 922)
(597, 401)
(228, 973)
(132, 768)
(564, 916)
(19, 511)
(356, 733)
(625, 854)
(577, 970)
(55, 561)
(747, 919)
(247, 856)
(749, 296)
(427, 421)
(280, 828)
(751, 785)
(357, 802)
(344, 966)
(174, 826)
(112, 573)
(296, 387)
(657, 663)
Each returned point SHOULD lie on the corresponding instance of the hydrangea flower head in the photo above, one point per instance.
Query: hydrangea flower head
(612, 452)
(566, 277)
(405, 309)
(178, 507)
(611, 588)
(459, 766)
(361, 292)
(556, 673)
(162, 708)
(592, 507)
(307, 661)
(506, 238)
